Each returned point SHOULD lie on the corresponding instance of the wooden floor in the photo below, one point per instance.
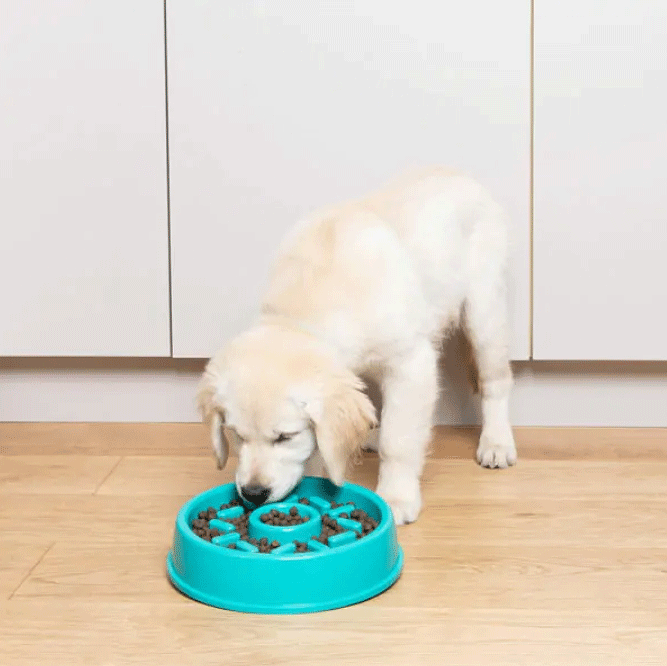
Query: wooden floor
(561, 560)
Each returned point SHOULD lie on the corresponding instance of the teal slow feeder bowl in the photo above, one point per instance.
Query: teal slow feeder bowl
(345, 571)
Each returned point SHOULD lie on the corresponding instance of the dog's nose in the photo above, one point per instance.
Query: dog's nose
(255, 494)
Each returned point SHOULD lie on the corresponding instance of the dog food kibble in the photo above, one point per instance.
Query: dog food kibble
(301, 547)
(330, 526)
(229, 505)
(280, 519)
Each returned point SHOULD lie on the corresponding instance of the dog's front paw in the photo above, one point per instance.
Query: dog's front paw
(496, 452)
(405, 511)
(404, 498)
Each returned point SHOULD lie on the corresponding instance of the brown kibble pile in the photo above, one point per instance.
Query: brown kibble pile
(278, 518)
(241, 524)
(230, 505)
(368, 524)
(200, 525)
(330, 526)
(263, 544)
(336, 505)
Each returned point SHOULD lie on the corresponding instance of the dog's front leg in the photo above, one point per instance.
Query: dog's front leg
(410, 389)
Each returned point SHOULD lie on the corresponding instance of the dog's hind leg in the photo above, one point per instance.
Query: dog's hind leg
(487, 327)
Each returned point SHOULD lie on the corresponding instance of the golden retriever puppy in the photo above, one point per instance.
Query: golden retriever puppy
(366, 288)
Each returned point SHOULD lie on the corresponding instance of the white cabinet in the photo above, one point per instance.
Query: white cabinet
(600, 180)
(83, 186)
(278, 108)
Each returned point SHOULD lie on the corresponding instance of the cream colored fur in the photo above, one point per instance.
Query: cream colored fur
(367, 288)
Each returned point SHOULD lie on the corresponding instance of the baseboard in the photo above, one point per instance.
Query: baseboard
(163, 390)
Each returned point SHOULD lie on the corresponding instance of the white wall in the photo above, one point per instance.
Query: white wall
(558, 394)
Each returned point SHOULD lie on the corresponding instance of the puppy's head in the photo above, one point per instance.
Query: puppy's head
(277, 398)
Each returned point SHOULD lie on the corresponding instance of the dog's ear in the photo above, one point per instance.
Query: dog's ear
(212, 413)
(342, 418)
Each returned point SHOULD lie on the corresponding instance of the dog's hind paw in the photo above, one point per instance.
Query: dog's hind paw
(495, 454)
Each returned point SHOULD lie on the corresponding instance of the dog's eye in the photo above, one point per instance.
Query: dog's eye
(283, 437)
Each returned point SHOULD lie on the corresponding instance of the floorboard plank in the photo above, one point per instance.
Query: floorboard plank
(19, 554)
(188, 439)
(50, 475)
(172, 634)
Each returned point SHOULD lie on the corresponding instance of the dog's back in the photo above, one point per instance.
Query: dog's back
(396, 262)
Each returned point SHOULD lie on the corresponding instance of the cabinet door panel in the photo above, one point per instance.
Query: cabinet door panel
(600, 199)
(83, 196)
(279, 108)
